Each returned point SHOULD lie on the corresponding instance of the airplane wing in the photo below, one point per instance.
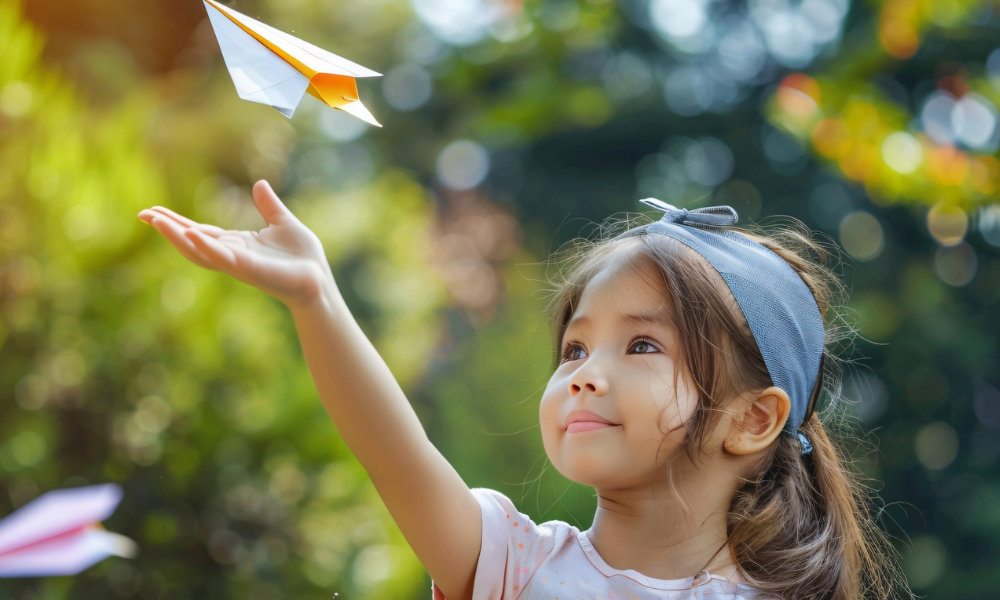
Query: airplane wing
(259, 74)
(314, 58)
(360, 111)
(58, 533)
(66, 555)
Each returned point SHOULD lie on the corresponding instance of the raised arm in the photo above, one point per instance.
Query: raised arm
(433, 507)
(430, 503)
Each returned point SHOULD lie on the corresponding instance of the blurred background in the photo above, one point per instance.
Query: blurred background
(510, 127)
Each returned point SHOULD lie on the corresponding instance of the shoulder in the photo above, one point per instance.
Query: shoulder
(494, 499)
(498, 509)
(513, 547)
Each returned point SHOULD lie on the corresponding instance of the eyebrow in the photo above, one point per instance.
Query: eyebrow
(644, 319)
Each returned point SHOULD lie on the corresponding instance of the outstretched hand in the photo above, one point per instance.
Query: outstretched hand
(285, 259)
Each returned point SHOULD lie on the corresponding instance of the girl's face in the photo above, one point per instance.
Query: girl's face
(618, 361)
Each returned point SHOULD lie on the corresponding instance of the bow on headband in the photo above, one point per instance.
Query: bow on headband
(714, 216)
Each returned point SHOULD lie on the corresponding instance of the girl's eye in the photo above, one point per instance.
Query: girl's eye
(643, 347)
(574, 352)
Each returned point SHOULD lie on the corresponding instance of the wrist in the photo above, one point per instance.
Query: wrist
(319, 292)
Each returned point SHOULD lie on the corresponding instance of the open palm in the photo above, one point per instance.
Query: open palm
(285, 259)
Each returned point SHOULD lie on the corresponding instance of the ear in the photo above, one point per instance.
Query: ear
(758, 422)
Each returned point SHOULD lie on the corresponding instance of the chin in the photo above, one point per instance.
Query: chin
(591, 469)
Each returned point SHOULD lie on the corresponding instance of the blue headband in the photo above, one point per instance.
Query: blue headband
(778, 305)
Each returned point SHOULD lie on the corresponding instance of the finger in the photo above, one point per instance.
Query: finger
(146, 216)
(221, 255)
(204, 227)
(159, 211)
(269, 205)
(177, 217)
(175, 235)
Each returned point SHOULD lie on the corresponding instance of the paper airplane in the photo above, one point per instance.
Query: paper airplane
(59, 533)
(271, 67)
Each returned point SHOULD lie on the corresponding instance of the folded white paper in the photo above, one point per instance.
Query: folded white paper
(59, 533)
(271, 67)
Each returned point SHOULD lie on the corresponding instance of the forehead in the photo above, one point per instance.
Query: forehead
(629, 278)
(627, 281)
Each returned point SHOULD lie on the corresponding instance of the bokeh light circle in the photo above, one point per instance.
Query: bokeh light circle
(861, 235)
(16, 98)
(936, 445)
(956, 265)
(784, 152)
(988, 223)
(407, 87)
(789, 37)
(678, 18)
(741, 52)
(987, 406)
(974, 121)
(947, 223)
(993, 68)
(936, 117)
(926, 561)
(340, 126)
(457, 22)
(902, 152)
(462, 165)
(825, 17)
(868, 393)
(688, 91)
(627, 76)
(828, 204)
(708, 162)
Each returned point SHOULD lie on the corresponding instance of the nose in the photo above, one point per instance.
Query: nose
(588, 377)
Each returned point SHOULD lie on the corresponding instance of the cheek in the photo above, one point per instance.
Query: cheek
(548, 412)
(676, 413)
(653, 403)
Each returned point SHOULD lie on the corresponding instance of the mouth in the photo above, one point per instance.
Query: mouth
(579, 421)
(580, 426)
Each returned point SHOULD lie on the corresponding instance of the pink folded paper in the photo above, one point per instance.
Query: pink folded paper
(59, 533)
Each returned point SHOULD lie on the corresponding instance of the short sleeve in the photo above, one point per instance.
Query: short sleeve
(513, 548)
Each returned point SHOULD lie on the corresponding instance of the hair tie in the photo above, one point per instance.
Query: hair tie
(807, 447)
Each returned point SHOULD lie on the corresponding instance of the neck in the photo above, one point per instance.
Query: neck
(664, 531)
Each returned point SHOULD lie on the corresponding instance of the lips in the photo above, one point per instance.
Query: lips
(584, 420)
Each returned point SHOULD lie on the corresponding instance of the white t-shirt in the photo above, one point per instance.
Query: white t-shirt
(556, 561)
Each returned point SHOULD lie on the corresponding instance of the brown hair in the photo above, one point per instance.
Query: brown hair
(801, 527)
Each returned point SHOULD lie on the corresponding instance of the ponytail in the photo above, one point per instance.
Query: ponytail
(811, 517)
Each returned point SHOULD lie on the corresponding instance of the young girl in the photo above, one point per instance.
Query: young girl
(691, 356)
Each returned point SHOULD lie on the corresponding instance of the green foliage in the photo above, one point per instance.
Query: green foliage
(123, 363)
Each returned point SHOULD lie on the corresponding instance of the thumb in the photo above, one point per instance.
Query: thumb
(269, 205)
